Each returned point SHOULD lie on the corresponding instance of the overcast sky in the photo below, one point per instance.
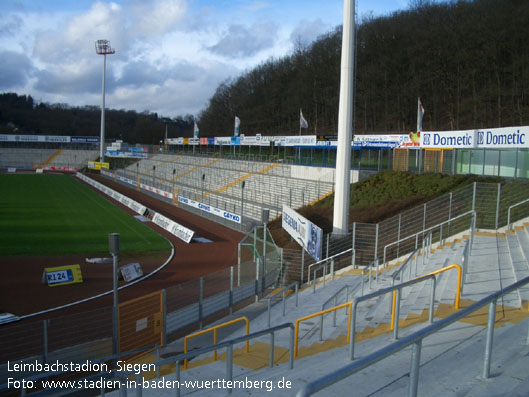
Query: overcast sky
(170, 54)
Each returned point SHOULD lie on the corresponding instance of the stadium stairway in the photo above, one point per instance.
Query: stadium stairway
(451, 359)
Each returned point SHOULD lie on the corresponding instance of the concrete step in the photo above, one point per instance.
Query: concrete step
(523, 240)
(518, 263)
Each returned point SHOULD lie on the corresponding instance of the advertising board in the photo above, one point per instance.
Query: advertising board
(306, 233)
(182, 232)
(209, 209)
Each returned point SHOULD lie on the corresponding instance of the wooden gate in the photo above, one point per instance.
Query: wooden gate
(433, 160)
(140, 322)
(400, 159)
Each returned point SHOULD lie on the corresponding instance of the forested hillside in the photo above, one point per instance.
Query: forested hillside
(467, 60)
(21, 115)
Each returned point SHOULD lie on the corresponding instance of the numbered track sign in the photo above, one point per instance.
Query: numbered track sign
(62, 275)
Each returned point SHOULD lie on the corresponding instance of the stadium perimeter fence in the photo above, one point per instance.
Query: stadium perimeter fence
(445, 216)
(187, 306)
(190, 305)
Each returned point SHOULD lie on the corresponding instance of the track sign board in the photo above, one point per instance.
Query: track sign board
(130, 272)
(173, 227)
(62, 275)
(306, 233)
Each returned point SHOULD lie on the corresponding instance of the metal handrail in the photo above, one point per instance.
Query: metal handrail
(320, 313)
(464, 264)
(334, 298)
(380, 292)
(214, 330)
(509, 212)
(282, 291)
(396, 296)
(177, 359)
(415, 339)
(369, 269)
(404, 265)
(422, 232)
(322, 262)
(112, 357)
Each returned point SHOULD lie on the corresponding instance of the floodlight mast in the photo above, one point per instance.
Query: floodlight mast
(345, 123)
(103, 48)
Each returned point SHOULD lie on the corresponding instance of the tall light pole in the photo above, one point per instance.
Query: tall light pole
(103, 48)
(345, 123)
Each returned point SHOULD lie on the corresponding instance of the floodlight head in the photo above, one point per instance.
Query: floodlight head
(103, 47)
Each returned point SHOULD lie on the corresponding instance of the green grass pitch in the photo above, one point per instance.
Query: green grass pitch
(57, 214)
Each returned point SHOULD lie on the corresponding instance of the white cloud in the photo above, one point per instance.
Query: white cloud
(16, 70)
(241, 41)
(308, 31)
(157, 17)
(170, 54)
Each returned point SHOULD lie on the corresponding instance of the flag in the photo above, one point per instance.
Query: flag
(237, 124)
(195, 130)
(420, 113)
(302, 122)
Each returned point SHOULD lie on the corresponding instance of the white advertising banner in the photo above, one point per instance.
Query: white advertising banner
(300, 140)
(126, 154)
(499, 138)
(306, 233)
(212, 210)
(449, 139)
(223, 140)
(505, 138)
(34, 138)
(172, 227)
(133, 205)
(174, 141)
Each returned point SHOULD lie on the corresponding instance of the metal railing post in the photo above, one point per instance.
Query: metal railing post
(490, 337)
(200, 302)
(229, 365)
(353, 258)
(397, 314)
(271, 363)
(45, 341)
(376, 243)
(414, 368)
(498, 206)
(164, 317)
(398, 238)
(239, 266)
(231, 290)
(302, 264)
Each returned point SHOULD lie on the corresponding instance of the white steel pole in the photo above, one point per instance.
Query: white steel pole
(345, 123)
(102, 142)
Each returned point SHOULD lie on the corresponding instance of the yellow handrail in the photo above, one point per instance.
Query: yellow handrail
(444, 269)
(299, 320)
(214, 330)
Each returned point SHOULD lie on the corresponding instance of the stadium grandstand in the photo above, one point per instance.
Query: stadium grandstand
(433, 301)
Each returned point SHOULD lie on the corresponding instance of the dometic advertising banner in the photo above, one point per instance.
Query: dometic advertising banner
(449, 139)
(510, 137)
(306, 233)
(172, 227)
(212, 210)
